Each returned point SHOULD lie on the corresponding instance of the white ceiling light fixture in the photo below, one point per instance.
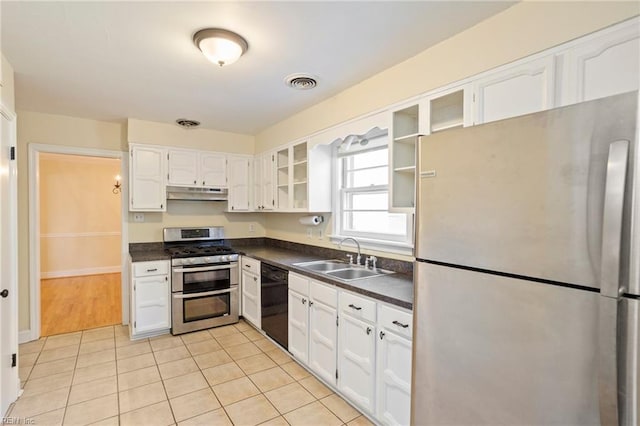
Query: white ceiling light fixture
(222, 47)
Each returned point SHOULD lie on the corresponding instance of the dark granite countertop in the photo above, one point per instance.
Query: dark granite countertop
(396, 289)
(145, 252)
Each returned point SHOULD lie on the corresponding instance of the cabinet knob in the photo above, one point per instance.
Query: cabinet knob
(304, 301)
(255, 279)
(368, 330)
(310, 302)
(381, 335)
(194, 182)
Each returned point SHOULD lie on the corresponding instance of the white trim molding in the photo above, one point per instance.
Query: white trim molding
(81, 272)
(35, 275)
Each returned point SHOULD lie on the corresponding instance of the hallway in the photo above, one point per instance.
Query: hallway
(79, 303)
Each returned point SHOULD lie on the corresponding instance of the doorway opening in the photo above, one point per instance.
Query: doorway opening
(80, 242)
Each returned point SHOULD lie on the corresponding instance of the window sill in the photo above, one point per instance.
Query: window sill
(378, 245)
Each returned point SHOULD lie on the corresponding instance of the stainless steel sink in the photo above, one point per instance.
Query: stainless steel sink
(353, 273)
(342, 270)
(323, 265)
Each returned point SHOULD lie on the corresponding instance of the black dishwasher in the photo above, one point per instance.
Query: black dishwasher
(275, 303)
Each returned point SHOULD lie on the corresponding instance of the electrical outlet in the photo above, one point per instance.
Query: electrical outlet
(309, 233)
(138, 217)
(252, 227)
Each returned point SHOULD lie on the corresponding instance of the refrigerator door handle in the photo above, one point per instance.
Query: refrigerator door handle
(612, 219)
(610, 289)
(608, 361)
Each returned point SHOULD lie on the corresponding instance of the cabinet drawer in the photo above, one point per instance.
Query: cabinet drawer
(322, 293)
(395, 320)
(299, 284)
(357, 306)
(144, 269)
(251, 265)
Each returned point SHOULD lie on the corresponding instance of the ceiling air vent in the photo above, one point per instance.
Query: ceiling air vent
(186, 123)
(301, 81)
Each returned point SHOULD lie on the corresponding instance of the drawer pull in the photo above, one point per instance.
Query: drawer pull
(152, 270)
(357, 308)
(399, 324)
(248, 266)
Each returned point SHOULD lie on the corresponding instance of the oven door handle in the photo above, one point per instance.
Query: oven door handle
(207, 268)
(206, 293)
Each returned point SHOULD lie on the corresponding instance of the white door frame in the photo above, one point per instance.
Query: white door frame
(34, 225)
(11, 303)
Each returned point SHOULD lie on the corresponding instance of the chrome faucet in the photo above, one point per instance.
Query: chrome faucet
(357, 244)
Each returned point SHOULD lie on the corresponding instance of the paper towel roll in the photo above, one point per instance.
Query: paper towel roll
(311, 220)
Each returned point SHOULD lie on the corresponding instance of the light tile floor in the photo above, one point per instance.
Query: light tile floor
(229, 375)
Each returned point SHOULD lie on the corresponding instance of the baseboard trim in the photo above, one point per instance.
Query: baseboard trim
(80, 272)
(24, 336)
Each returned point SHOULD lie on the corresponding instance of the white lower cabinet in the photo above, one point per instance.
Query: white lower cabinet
(357, 361)
(298, 326)
(360, 347)
(313, 329)
(323, 339)
(150, 299)
(393, 366)
(251, 299)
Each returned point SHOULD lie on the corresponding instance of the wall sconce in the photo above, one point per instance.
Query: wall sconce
(117, 185)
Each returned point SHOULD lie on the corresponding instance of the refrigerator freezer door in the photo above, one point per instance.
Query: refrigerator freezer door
(492, 350)
(525, 195)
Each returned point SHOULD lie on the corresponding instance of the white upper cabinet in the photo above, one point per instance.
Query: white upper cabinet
(292, 173)
(267, 165)
(147, 179)
(213, 170)
(239, 170)
(605, 64)
(196, 168)
(437, 112)
(183, 168)
(516, 90)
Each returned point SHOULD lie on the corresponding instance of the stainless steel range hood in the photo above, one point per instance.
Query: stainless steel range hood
(196, 194)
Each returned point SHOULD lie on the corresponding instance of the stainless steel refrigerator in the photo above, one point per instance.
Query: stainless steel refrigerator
(528, 270)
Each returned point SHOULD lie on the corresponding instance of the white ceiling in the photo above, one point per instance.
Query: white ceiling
(117, 60)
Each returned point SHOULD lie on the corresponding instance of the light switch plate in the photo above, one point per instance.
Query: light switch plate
(138, 217)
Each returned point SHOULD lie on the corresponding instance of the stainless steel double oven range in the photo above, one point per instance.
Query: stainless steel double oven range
(204, 279)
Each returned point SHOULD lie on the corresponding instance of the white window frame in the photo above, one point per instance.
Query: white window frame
(402, 244)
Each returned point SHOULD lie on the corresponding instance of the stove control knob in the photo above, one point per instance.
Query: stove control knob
(193, 261)
(224, 258)
(208, 260)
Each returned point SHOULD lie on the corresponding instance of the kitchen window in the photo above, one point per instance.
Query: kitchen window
(362, 205)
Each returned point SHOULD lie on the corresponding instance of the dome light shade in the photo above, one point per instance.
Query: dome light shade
(220, 46)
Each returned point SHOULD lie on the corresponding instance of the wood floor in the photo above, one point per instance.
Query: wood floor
(79, 303)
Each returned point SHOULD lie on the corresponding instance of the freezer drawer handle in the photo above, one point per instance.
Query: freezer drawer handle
(399, 324)
(352, 306)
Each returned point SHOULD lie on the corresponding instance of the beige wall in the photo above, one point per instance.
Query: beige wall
(80, 216)
(59, 130)
(522, 30)
(149, 132)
